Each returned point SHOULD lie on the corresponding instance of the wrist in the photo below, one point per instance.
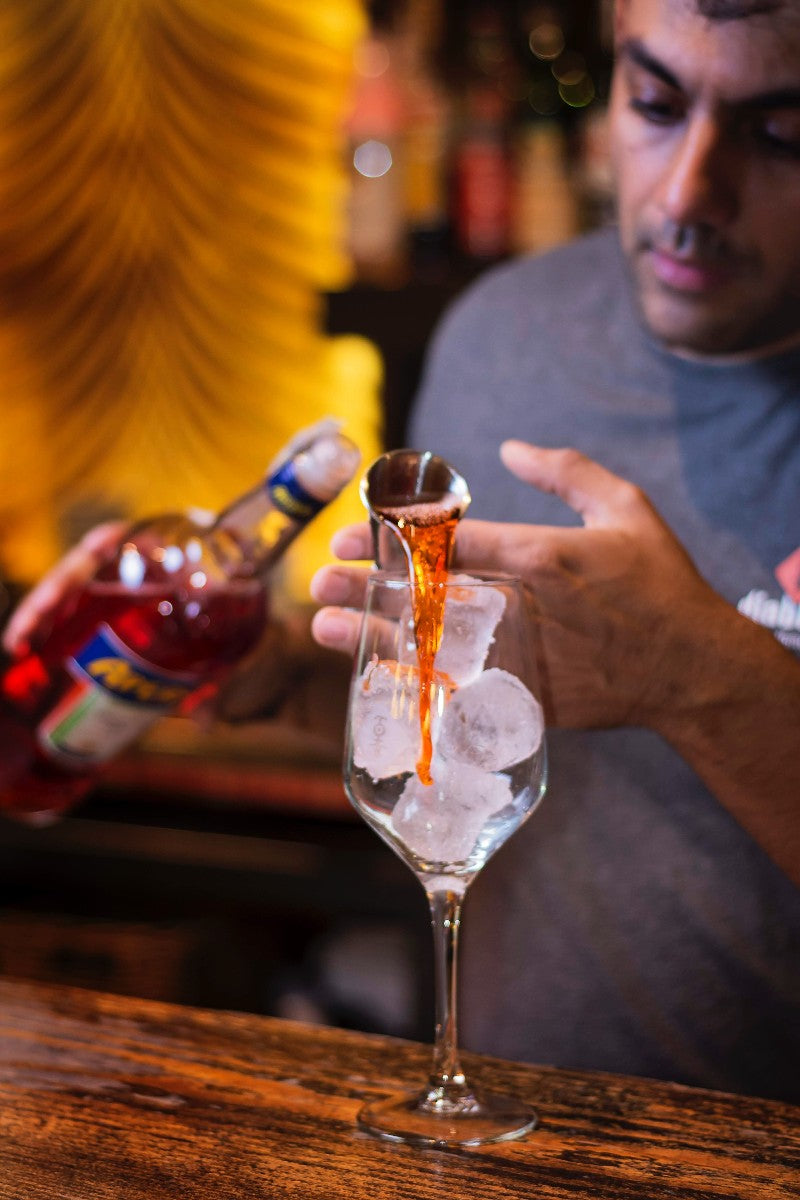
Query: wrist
(262, 682)
(724, 677)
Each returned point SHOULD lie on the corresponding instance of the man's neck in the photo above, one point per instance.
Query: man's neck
(740, 356)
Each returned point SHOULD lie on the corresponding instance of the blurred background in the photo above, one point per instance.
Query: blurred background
(219, 221)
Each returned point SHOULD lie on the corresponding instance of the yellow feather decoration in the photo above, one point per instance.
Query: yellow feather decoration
(172, 204)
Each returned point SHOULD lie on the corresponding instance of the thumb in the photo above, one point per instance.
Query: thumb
(598, 495)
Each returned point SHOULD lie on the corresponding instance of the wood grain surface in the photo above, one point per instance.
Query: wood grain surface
(104, 1098)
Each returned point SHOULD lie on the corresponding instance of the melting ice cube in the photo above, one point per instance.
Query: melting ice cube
(491, 723)
(470, 619)
(386, 731)
(441, 821)
(386, 735)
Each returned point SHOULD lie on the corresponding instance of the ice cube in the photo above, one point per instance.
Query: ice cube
(441, 821)
(491, 723)
(470, 619)
(387, 740)
(385, 720)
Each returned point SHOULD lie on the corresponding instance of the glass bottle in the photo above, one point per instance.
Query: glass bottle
(170, 608)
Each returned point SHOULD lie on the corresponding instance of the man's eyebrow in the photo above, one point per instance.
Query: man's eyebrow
(636, 51)
(779, 98)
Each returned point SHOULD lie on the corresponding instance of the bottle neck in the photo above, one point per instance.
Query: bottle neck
(251, 534)
(254, 531)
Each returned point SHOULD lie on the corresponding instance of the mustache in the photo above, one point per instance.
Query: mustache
(694, 242)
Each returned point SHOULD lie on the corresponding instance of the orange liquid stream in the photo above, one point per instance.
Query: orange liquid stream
(429, 546)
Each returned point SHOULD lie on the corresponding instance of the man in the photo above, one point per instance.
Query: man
(647, 918)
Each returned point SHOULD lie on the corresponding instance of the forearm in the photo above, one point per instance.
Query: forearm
(738, 725)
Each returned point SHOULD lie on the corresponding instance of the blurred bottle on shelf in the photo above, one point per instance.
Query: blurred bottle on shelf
(558, 90)
(427, 139)
(545, 211)
(377, 241)
(476, 132)
(482, 178)
(482, 157)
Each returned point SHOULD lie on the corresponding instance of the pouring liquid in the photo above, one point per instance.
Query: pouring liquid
(427, 531)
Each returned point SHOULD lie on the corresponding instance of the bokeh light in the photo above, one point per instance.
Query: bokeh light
(372, 159)
(546, 40)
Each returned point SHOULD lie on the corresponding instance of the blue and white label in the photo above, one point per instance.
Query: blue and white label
(116, 696)
(288, 494)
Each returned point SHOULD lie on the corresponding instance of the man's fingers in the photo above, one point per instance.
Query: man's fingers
(337, 625)
(489, 546)
(357, 543)
(337, 629)
(598, 495)
(353, 543)
(340, 586)
(74, 569)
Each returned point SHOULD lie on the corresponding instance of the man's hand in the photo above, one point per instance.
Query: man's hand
(616, 602)
(619, 605)
(284, 676)
(630, 634)
(35, 611)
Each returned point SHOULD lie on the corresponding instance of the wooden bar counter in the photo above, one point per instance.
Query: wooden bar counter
(109, 1098)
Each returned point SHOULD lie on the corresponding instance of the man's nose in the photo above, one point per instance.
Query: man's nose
(700, 184)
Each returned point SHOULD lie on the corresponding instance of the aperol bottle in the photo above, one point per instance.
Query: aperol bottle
(172, 607)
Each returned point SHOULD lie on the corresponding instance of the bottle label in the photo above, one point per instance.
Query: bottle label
(116, 696)
(288, 495)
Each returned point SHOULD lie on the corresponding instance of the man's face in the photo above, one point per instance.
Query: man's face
(705, 130)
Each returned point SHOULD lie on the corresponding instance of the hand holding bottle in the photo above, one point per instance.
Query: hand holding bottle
(135, 621)
(34, 614)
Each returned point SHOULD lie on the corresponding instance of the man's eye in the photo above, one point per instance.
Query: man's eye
(780, 137)
(657, 110)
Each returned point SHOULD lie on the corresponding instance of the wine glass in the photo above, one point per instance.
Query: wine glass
(473, 727)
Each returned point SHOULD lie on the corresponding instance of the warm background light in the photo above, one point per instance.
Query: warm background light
(172, 199)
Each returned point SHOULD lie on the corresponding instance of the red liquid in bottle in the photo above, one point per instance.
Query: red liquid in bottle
(191, 634)
(167, 614)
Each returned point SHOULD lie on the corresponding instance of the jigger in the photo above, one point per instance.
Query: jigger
(401, 481)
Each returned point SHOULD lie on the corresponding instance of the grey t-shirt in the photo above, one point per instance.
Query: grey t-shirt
(631, 925)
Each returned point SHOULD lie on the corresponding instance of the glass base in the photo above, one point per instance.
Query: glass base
(440, 1117)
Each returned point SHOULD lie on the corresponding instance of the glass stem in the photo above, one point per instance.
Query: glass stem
(445, 907)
